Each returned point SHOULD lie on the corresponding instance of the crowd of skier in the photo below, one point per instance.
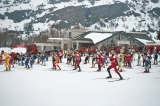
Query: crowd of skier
(110, 57)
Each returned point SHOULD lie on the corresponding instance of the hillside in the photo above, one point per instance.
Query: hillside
(126, 15)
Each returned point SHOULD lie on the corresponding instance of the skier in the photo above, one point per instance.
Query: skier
(143, 59)
(22, 57)
(133, 54)
(47, 55)
(43, 58)
(129, 59)
(1, 60)
(99, 61)
(31, 61)
(55, 64)
(7, 59)
(155, 55)
(77, 61)
(60, 54)
(86, 58)
(113, 65)
(53, 59)
(125, 60)
(69, 58)
(11, 62)
(139, 59)
(18, 58)
(107, 59)
(27, 61)
(39, 58)
(147, 63)
(120, 62)
(93, 60)
(73, 58)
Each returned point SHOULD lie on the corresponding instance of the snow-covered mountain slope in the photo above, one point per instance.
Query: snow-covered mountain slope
(126, 15)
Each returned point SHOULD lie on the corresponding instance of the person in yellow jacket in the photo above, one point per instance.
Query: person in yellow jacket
(120, 60)
(6, 59)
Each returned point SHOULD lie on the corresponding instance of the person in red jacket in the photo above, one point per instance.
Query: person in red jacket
(77, 61)
(1, 60)
(113, 65)
(117, 49)
(11, 62)
(99, 61)
(129, 59)
(14, 57)
(60, 54)
(55, 64)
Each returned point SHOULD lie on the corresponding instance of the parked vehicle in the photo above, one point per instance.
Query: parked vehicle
(30, 48)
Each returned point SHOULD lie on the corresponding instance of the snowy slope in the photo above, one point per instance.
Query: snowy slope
(41, 86)
(128, 23)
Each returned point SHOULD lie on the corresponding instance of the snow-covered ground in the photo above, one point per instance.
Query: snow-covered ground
(42, 86)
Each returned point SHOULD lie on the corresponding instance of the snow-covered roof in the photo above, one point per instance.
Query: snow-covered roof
(97, 37)
(143, 41)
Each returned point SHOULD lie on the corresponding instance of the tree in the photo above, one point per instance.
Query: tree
(158, 23)
(133, 30)
(9, 37)
(158, 35)
(92, 2)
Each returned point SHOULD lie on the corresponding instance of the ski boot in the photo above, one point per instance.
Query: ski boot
(120, 70)
(79, 70)
(109, 77)
(6, 69)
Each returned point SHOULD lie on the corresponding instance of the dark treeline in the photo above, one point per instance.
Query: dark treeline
(11, 37)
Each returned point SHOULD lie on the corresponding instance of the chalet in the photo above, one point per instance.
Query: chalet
(85, 38)
(117, 38)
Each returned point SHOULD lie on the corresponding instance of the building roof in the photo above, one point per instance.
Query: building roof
(97, 37)
(140, 36)
(82, 37)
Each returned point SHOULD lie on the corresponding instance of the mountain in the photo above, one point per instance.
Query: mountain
(39, 15)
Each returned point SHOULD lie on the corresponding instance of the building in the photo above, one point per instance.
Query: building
(78, 37)
(117, 38)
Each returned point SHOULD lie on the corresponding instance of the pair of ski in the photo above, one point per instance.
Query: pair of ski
(114, 79)
(118, 79)
(142, 72)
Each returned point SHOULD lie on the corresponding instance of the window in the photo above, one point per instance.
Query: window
(29, 48)
(117, 37)
(70, 35)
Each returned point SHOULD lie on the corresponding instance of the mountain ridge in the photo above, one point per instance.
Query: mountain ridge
(126, 15)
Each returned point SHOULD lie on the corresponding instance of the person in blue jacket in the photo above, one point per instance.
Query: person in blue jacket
(43, 58)
(147, 63)
(27, 58)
